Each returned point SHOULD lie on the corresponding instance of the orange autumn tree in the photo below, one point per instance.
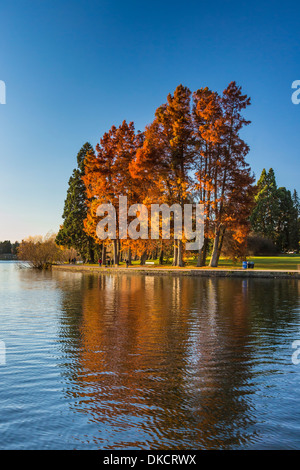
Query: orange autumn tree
(191, 152)
(224, 178)
(151, 174)
(234, 201)
(107, 176)
(166, 157)
(208, 127)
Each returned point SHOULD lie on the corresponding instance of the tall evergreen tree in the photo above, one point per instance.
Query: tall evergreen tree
(296, 202)
(295, 229)
(71, 233)
(285, 226)
(264, 218)
(276, 214)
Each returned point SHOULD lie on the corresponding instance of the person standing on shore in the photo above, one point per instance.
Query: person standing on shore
(100, 262)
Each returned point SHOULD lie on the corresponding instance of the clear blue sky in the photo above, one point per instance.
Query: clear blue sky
(74, 68)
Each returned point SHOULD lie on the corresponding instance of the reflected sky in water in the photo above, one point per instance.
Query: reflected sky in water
(147, 362)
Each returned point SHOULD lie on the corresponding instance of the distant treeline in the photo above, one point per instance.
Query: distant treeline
(8, 248)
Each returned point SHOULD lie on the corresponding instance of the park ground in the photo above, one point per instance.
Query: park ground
(283, 262)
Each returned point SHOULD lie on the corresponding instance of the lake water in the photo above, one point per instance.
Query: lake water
(147, 362)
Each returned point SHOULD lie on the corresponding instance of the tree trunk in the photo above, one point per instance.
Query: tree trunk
(214, 257)
(129, 256)
(223, 229)
(103, 254)
(180, 254)
(202, 254)
(115, 252)
(161, 256)
(175, 256)
(91, 251)
(143, 258)
(120, 257)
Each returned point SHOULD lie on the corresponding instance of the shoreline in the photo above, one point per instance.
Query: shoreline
(172, 271)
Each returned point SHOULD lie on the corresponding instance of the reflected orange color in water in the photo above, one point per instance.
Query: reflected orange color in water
(171, 358)
(114, 361)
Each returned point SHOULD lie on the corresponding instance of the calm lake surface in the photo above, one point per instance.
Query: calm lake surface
(147, 362)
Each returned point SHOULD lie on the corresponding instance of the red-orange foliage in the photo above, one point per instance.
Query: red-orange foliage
(191, 152)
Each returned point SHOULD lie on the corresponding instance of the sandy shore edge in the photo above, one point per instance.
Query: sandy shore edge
(169, 271)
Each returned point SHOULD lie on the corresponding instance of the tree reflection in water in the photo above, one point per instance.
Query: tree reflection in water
(173, 362)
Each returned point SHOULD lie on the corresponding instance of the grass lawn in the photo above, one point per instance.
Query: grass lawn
(284, 262)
